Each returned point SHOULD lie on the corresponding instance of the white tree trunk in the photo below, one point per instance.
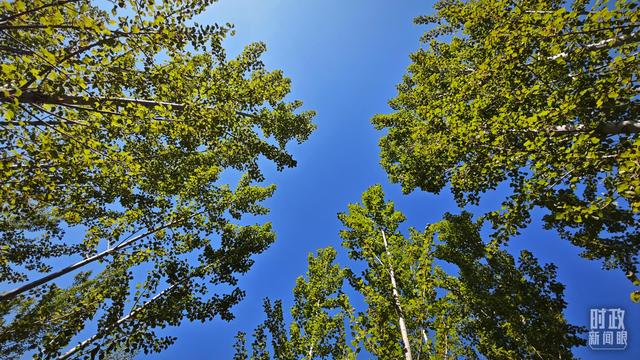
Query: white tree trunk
(126, 318)
(610, 128)
(396, 298)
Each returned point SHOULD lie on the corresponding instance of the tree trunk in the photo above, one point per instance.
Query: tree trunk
(618, 40)
(36, 97)
(8, 295)
(133, 312)
(310, 353)
(396, 298)
(609, 128)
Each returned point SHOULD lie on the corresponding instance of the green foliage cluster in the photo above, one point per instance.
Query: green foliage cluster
(122, 125)
(539, 95)
(320, 315)
(495, 307)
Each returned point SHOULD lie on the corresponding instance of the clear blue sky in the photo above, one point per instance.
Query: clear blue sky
(345, 58)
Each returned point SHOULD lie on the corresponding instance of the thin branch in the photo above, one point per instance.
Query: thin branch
(134, 311)
(70, 137)
(105, 112)
(58, 116)
(31, 97)
(39, 26)
(30, 123)
(8, 295)
(38, 55)
(36, 97)
(27, 12)
(618, 40)
(124, 319)
(14, 50)
(64, 26)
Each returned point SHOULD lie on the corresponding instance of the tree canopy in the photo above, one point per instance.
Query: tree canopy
(130, 143)
(322, 318)
(539, 95)
(133, 151)
(494, 307)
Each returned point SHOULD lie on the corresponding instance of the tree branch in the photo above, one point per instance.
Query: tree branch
(35, 97)
(8, 295)
(610, 128)
(14, 50)
(26, 12)
(126, 318)
(618, 40)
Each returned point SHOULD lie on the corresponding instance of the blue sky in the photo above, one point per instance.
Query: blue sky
(345, 58)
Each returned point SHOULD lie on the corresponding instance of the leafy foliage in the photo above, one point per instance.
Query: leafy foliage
(516, 307)
(493, 308)
(400, 280)
(539, 95)
(320, 314)
(123, 124)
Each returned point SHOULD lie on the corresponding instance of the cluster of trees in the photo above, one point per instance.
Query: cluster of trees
(495, 307)
(541, 96)
(129, 148)
(124, 122)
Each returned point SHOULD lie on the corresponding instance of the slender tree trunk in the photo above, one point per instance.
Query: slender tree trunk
(424, 337)
(446, 344)
(36, 97)
(609, 128)
(134, 311)
(396, 299)
(8, 295)
(310, 353)
(83, 344)
(31, 97)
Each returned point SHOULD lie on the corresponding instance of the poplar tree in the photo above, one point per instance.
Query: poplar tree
(507, 309)
(491, 306)
(399, 281)
(129, 151)
(322, 318)
(538, 95)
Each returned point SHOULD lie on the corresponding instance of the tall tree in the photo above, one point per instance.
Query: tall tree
(123, 124)
(513, 310)
(491, 308)
(321, 311)
(398, 283)
(322, 317)
(540, 95)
